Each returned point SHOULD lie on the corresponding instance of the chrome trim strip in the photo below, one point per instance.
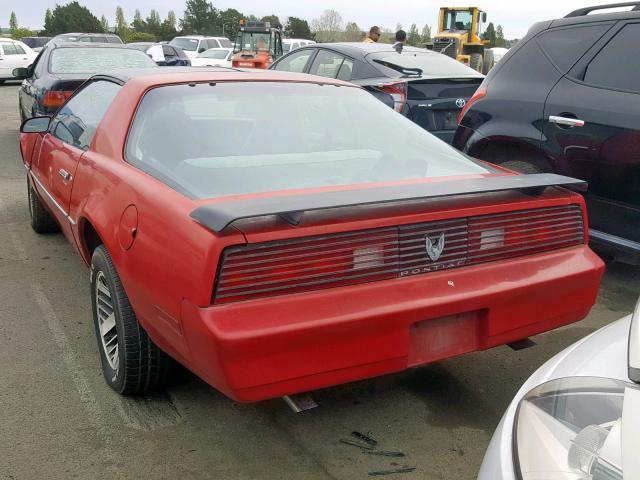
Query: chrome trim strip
(633, 353)
(614, 239)
(53, 200)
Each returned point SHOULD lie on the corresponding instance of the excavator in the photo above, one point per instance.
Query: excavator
(257, 45)
(459, 37)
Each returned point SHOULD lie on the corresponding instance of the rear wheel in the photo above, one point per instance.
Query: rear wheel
(41, 220)
(475, 62)
(131, 362)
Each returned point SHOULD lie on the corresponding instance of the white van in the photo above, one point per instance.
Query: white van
(195, 44)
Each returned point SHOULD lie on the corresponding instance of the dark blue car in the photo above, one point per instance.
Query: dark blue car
(164, 55)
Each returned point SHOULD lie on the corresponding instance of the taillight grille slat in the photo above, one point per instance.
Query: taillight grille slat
(334, 260)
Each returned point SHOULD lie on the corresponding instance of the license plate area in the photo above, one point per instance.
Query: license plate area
(445, 337)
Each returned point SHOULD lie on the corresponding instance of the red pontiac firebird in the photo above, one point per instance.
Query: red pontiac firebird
(277, 233)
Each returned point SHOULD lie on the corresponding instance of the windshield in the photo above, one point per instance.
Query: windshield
(218, 139)
(426, 64)
(91, 60)
(219, 54)
(457, 20)
(188, 44)
(252, 41)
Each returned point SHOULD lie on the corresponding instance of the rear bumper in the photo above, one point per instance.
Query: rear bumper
(267, 348)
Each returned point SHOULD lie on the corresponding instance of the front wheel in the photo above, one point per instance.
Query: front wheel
(475, 62)
(131, 362)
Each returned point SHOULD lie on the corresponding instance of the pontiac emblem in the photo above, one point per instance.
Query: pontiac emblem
(460, 102)
(434, 249)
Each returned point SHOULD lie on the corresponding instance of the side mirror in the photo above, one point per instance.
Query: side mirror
(35, 125)
(20, 73)
(484, 17)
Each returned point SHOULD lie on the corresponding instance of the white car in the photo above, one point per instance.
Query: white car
(578, 416)
(289, 44)
(14, 54)
(214, 57)
(195, 44)
(498, 53)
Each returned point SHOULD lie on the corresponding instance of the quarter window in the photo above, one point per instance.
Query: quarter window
(617, 65)
(77, 121)
(295, 62)
(326, 64)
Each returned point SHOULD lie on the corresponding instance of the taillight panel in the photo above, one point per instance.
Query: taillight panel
(398, 92)
(481, 92)
(312, 263)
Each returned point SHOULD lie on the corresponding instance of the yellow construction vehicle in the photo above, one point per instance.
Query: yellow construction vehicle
(459, 37)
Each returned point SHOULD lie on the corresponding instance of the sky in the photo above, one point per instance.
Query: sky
(515, 16)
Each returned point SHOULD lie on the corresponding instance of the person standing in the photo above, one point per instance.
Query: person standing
(374, 35)
(401, 37)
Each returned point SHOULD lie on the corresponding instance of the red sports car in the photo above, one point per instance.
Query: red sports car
(277, 233)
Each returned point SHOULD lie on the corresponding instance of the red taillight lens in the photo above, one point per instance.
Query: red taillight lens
(480, 92)
(55, 98)
(398, 92)
(311, 264)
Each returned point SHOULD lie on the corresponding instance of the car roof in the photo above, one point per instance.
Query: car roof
(63, 44)
(365, 49)
(154, 76)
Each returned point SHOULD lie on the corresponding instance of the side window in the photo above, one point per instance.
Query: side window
(326, 64)
(346, 70)
(213, 43)
(9, 49)
(19, 50)
(295, 62)
(225, 43)
(617, 65)
(76, 122)
(168, 51)
(565, 46)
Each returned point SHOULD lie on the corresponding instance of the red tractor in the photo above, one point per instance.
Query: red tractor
(257, 45)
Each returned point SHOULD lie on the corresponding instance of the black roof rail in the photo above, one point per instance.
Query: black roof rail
(587, 10)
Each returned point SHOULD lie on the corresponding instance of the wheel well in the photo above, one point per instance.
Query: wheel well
(500, 152)
(90, 240)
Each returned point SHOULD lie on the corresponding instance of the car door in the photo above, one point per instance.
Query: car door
(592, 122)
(170, 56)
(70, 134)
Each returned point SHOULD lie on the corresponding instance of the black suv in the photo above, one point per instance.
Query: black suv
(566, 99)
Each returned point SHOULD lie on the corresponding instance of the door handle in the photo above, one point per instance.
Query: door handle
(566, 121)
(66, 176)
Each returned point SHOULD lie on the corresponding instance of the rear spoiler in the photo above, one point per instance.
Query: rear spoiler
(291, 208)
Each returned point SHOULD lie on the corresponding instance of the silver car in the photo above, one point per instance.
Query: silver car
(578, 416)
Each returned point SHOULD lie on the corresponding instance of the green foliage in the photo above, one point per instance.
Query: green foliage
(19, 33)
(413, 37)
(297, 28)
(47, 15)
(13, 22)
(168, 27)
(500, 42)
(272, 19)
(154, 23)
(138, 24)
(425, 34)
(72, 17)
(104, 23)
(490, 34)
(200, 17)
(122, 27)
(229, 21)
(352, 32)
(140, 37)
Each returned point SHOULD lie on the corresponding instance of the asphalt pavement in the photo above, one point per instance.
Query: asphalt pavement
(59, 420)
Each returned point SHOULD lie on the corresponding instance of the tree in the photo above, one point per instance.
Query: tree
(499, 37)
(273, 19)
(13, 22)
(71, 17)
(138, 24)
(352, 32)
(122, 28)
(230, 22)
(154, 24)
(171, 19)
(328, 27)
(297, 28)
(413, 37)
(19, 33)
(47, 16)
(490, 34)
(141, 37)
(168, 28)
(426, 34)
(104, 23)
(200, 17)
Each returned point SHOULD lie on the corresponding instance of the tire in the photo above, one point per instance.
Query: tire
(487, 62)
(475, 62)
(2, 81)
(131, 362)
(41, 220)
(522, 167)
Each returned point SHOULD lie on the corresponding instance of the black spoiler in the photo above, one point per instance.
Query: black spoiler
(218, 216)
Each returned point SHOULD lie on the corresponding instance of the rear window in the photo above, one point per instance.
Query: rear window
(188, 44)
(213, 140)
(420, 64)
(565, 46)
(90, 60)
